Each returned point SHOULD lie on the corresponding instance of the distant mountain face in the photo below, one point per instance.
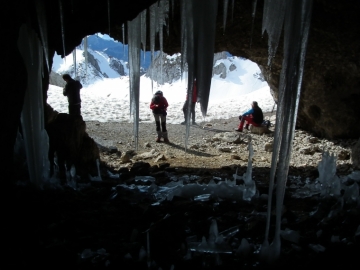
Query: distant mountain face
(167, 69)
(117, 50)
(101, 62)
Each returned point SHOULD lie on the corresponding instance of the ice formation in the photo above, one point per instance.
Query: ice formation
(62, 26)
(43, 29)
(296, 16)
(35, 137)
(134, 28)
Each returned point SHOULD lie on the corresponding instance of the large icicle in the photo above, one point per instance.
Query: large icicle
(199, 32)
(134, 42)
(226, 4)
(123, 36)
(32, 116)
(232, 10)
(86, 56)
(62, 26)
(40, 10)
(143, 31)
(254, 4)
(108, 6)
(74, 60)
(297, 23)
(273, 18)
(153, 26)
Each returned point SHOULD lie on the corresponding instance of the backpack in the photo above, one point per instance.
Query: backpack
(266, 123)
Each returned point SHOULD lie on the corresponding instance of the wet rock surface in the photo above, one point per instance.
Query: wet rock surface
(109, 223)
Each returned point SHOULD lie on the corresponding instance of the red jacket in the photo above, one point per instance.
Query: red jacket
(194, 93)
(159, 108)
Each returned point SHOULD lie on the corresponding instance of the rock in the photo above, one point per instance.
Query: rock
(147, 155)
(307, 150)
(224, 148)
(160, 157)
(236, 157)
(258, 130)
(269, 147)
(313, 140)
(229, 137)
(147, 144)
(113, 149)
(355, 155)
(126, 158)
(343, 155)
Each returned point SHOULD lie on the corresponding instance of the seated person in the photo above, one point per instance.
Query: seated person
(254, 116)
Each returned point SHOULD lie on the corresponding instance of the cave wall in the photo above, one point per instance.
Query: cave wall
(329, 104)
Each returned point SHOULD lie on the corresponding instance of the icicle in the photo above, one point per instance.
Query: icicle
(74, 60)
(172, 8)
(108, 6)
(254, 3)
(32, 116)
(86, 56)
(273, 18)
(198, 30)
(161, 19)
(226, 3)
(153, 29)
(232, 10)
(143, 31)
(123, 36)
(40, 10)
(62, 26)
(297, 23)
(134, 42)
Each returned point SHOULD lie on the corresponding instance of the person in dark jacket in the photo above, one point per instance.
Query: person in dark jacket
(72, 92)
(192, 105)
(159, 106)
(254, 117)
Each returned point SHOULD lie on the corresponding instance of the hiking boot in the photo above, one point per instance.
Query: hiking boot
(158, 139)
(166, 140)
(239, 130)
(194, 123)
(183, 123)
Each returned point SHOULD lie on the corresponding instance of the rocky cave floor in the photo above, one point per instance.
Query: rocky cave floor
(103, 225)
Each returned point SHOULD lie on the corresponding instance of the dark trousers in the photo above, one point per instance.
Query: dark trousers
(192, 110)
(75, 109)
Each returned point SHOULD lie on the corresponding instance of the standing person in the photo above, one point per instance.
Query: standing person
(253, 116)
(159, 106)
(192, 105)
(72, 92)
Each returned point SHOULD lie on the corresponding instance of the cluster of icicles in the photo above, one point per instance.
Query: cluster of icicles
(197, 50)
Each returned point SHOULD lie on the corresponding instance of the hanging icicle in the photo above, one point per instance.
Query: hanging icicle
(123, 36)
(86, 56)
(108, 6)
(74, 60)
(254, 4)
(153, 26)
(232, 10)
(273, 18)
(62, 27)
(134, 42)
(226, 3)
(40, 10)
(198, 30)
(32, 116)
(297, 15)
(143, 31)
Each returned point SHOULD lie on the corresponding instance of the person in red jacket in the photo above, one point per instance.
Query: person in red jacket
(192, 105)
(159, 106)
